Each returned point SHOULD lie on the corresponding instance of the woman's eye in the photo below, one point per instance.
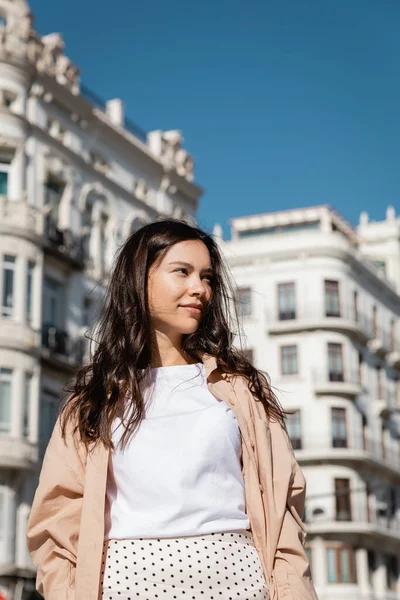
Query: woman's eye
(181, 269)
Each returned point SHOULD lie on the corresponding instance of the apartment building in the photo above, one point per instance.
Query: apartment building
(320, 308)
(76, 177)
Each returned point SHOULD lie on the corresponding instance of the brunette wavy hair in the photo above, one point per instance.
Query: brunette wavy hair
(122, 338)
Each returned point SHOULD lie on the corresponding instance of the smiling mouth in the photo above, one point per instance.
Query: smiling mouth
(193, 310)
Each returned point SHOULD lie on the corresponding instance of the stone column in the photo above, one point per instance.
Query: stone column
(362, 571)
(319, 570)
(379, 579)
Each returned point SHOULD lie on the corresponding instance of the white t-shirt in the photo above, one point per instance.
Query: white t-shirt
(180, 474)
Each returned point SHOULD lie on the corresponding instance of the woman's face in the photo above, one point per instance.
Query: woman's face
(179, 287)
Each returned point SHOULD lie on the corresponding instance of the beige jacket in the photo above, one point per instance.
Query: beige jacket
(66, 525)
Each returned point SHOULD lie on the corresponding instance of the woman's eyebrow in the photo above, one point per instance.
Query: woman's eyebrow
(188, 265)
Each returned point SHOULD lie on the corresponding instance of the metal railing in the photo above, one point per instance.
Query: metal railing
(99, 103)
(60, 343)
(364, 446)
(327, 376)
(64, 241)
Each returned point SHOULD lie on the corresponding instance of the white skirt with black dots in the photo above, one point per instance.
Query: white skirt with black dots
(207, 567)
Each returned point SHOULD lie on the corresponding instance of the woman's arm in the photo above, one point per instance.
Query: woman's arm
(53, 525)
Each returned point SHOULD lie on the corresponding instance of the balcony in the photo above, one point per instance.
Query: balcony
(353, 451)
(316, 317)
(60, 349)
(381, 530)
(19, 217)
(344, 383)
(62, 243)
(380, 342)
(18, 453)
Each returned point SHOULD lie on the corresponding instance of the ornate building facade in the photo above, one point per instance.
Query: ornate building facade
(320, 304)
(76, 177)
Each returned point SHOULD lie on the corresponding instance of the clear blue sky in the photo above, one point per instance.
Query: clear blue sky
(283, 103)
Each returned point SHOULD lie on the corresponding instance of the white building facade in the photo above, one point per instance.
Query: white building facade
(321, 315)
(76, 177)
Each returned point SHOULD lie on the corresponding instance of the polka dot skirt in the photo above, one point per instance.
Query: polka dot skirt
(208, 567)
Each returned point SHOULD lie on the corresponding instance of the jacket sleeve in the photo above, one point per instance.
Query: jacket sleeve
(291, 569)
(53, 525)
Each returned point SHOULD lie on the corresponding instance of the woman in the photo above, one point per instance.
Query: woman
(169, 473)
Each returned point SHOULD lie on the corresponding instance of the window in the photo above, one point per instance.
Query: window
(6, 380)
(339, 428)
(332, 303)
(86, 226)
(103, 243)
(308, 552)
(3, 182)
(48, 415)
(286, 301)
(53, 192)
(51, 303)
(289, 360)
(8, 285)
(392, 502)
(335, 362)
(375, 322)
(341, 567)
(27, 405)
(364, 432)
(392, 571)
(380, 265)
(243, 302)
(343, 500)
(293, 424)
(393, 335)
(29, 290)
(371, 565)
(3, 507)
(87, 311)
(355, 305)
(379, 386)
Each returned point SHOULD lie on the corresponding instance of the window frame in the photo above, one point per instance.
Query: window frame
(342, 499)
(7, 374)
(335, 374)
(296, 424)
(338, 441)
(292, 361)
(286, 314)
(332, 300)
(244, 309)
(338, 564)
(8, 312)
(30, 287)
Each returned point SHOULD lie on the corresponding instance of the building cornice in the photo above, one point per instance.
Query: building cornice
(138, 152)
(71, 156)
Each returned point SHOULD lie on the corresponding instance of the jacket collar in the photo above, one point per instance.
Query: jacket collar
(210, 363)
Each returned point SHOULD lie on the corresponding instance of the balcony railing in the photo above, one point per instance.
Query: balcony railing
(64, 241)
(351, 448)
(336, 381)
(100, 104)
(61, 345)
(19, 214)
(319, 316)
